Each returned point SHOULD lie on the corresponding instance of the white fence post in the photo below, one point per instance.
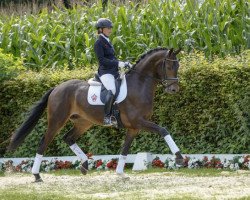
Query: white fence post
(141, 161)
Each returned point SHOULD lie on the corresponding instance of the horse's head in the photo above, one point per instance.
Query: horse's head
(168, 72)
(159, 65)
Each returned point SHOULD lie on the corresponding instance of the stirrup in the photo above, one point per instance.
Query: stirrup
(113, 120)
(109, 121)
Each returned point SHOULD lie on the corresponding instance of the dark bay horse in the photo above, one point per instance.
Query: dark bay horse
(68, 101)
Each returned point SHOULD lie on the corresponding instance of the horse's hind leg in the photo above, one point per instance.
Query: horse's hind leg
(70, 138)
(54, 125)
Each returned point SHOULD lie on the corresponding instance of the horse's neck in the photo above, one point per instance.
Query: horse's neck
(147, 70)
(142, 80)
(141, 90)
(149, 63)
(143, 76)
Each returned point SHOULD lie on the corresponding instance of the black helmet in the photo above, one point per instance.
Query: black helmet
(103, 23)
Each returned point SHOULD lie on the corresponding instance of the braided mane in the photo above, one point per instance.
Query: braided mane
(149, 53)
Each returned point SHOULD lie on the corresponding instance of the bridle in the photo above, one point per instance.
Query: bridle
(165, 79)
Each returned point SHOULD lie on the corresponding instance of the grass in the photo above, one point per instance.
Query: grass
(69, 172)
(202, 172)
(7, 195)
(154, 183)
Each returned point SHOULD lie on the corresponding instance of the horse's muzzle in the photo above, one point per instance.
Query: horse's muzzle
(171, 89)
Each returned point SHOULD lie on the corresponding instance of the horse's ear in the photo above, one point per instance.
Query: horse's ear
(170, 52)
(178, 51)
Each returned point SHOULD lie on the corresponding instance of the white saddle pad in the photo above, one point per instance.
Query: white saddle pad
(94, 92)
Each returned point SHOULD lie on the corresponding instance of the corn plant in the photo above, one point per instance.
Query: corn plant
(65, 38)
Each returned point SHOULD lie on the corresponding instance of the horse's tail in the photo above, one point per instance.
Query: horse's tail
(30, 123)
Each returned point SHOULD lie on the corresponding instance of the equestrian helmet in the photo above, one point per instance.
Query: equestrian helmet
(103, 23)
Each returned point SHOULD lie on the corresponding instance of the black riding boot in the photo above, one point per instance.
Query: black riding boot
(107, 109)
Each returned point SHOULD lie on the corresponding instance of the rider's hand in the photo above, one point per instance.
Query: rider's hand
(128, 65)
(121, 64)
(124, 64)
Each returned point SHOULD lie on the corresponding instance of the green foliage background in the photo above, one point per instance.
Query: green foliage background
(53, 39)
(211, 113)
(9, 66)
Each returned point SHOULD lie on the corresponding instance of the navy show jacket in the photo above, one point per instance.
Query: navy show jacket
(108, 63)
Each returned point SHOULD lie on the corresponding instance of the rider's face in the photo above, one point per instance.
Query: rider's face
(107, 31)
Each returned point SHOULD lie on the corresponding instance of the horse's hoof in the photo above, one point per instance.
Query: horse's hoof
(83, 170)
(38, 178)
(123, 176)
(179, 162)
(85, 165)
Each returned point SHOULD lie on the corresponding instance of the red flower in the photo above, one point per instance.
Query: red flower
(18, 168)
(89, 155)
(109, 164)
(157, 163)
(112, 164)
(205, 158)
(186, 160)
(98, 163)
(247, 159)
(63, 165)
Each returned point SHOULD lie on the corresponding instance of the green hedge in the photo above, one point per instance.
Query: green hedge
(210, 114)
(9, 66)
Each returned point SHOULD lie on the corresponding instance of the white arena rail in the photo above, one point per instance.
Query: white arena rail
(131, 158)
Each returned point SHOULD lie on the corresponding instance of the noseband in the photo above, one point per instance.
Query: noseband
(165, 79)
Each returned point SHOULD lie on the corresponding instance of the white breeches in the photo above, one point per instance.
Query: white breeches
(108, 81)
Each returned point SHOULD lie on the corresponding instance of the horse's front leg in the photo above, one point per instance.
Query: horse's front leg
(131, 133)
(152, 127)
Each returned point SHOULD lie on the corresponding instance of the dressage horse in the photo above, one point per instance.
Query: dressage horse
(68, 101)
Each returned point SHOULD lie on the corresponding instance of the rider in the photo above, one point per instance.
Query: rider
(108, 64)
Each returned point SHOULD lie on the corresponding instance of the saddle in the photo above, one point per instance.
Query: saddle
(97, 93)
(104, 91)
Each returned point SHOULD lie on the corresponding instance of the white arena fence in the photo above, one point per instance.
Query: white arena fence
(140, 160)
(130, 158)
